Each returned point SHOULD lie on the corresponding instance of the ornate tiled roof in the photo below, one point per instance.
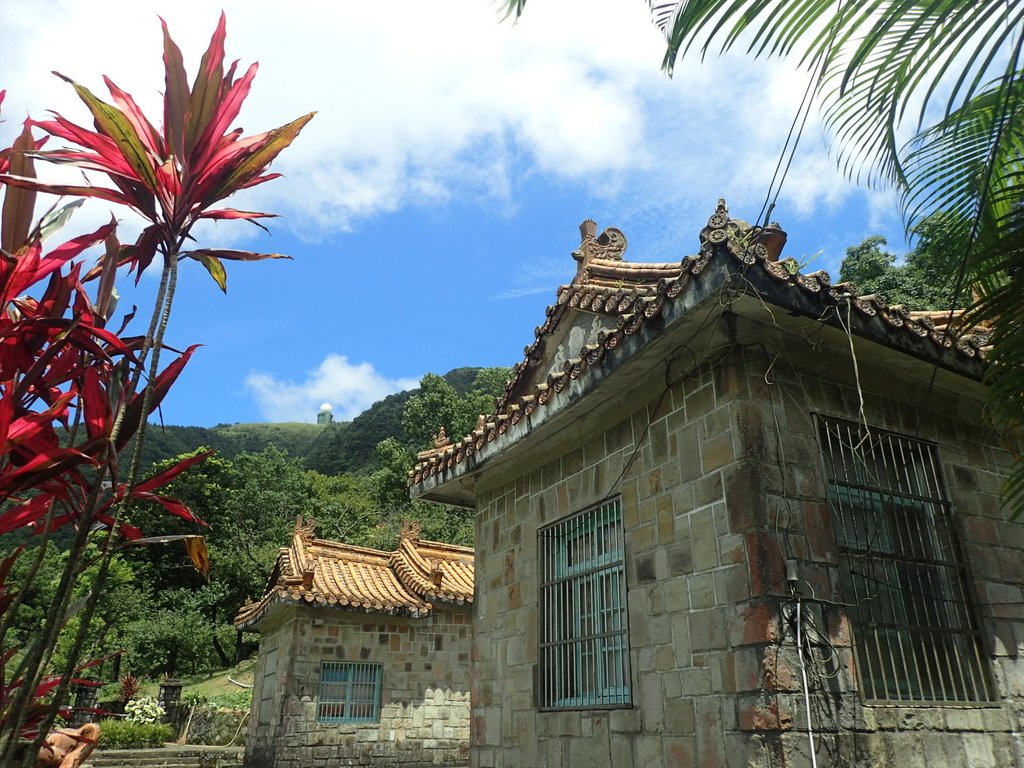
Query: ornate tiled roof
(632, 294)
(328, 573)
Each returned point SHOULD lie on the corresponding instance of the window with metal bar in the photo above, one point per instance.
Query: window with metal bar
(267, 693)
(349, 692)
(916, 636)
(584, 642)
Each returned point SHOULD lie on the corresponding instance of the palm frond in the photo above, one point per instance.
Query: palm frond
(970, 165)
(880, 57)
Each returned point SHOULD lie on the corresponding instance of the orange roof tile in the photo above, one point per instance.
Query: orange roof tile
(633, 293)
(329, 573)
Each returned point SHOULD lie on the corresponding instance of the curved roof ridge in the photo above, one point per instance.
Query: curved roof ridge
(456, 550)
(312, 571)
(433, 570)
(633, 303)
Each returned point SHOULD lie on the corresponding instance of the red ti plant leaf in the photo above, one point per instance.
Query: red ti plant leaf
(102, 193)
(133, 413)
(174, 506)
(127, 530)
(112, 123)
(143, 128)
(161, 479)
(105, 297)
(231, 213)
(231, 255)
(99, 417)
(203, 101)
(5, 569)
(28, 513)
(214, 267)
(19, 204)
(176, 95)
(198, 553)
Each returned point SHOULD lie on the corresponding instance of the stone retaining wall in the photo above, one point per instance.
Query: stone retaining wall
(216, 726)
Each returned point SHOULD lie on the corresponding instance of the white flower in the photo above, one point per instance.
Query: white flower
(143, 710)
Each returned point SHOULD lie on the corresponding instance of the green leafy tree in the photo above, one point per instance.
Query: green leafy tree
(390, 493)
(251, 504)
(343, 507)
(924, 281)
(437, 404)
(118, 602)
(176, 637)
(949, 74)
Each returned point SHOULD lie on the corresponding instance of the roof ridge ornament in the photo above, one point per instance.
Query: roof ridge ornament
(305, 529)
(716, 232)
(610, 244)
(438, 443)
(410, 531)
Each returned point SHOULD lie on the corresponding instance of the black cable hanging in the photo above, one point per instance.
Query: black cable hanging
(802, 113)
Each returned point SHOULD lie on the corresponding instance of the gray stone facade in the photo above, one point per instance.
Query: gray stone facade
(711, 443)
(424, 718)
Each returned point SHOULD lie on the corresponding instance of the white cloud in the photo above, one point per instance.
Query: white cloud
(420, 102)
(349, 387)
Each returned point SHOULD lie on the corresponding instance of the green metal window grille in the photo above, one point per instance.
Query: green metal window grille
(266, 700)
(349, 692)
(916, 636)
(584, 642)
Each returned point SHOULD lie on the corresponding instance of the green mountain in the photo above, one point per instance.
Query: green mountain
(340, 447)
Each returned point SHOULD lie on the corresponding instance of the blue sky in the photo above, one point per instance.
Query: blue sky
(432, 204)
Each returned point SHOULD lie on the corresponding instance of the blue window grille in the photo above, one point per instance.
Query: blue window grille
(349, 692)
(916, 636)
(584, 632)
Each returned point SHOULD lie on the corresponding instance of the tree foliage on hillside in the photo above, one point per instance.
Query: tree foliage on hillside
(925, 280)
(438, 404)
(169, 619)
(352, 447)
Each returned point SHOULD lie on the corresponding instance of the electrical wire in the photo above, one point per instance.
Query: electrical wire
(802, 113)
(803, 676)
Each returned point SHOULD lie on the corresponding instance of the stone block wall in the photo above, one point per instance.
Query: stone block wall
(424, 719)
(211, 725)
(721, 482)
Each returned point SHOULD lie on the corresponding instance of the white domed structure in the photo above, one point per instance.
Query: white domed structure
(325, 416)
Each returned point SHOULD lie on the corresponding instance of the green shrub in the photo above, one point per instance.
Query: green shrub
(121, 734)
(193, 698)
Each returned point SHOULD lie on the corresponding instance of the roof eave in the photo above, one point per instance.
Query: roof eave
(456, 485)
(870, 326)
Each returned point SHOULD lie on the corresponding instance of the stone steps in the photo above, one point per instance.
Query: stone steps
(171, 756)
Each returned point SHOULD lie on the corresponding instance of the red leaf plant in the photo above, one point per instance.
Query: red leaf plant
(73, 391)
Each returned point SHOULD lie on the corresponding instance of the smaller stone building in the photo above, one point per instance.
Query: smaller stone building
(364, 655)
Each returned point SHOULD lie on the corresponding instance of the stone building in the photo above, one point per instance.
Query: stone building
(364, 655)
(729, 514)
